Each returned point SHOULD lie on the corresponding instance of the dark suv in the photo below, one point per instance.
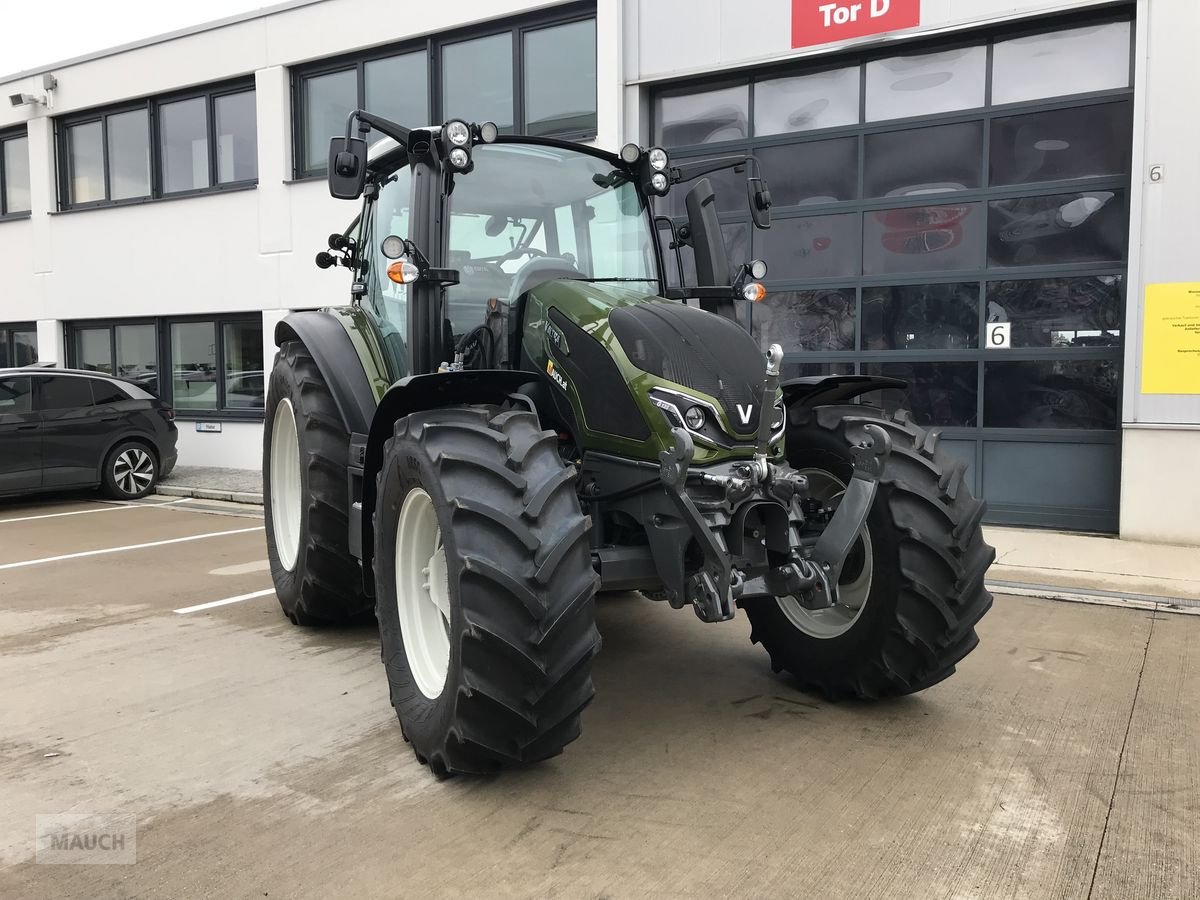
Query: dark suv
(62, 429)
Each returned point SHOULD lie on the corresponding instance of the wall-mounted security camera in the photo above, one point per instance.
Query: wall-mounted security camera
(27, 99)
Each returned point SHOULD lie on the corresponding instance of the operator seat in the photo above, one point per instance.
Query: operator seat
(537, 271)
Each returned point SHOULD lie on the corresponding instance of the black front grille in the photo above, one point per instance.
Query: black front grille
(608, 405)
(696, 349)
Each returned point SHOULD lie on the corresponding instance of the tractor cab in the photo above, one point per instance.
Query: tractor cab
(468, 241)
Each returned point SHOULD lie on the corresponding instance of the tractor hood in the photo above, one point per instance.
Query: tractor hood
(685, 351)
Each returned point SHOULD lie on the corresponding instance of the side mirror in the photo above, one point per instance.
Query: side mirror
(759, 199)
(347, 167)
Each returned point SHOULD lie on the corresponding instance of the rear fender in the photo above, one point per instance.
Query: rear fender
(407, 396)
(829, 390)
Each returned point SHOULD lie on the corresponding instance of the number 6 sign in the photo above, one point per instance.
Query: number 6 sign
(999, 335)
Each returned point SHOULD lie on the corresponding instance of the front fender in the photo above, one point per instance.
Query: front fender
(410, 395)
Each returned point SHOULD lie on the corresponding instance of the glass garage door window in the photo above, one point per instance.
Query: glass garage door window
(919, 197)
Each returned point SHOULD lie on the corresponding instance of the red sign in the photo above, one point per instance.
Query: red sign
(823, 21)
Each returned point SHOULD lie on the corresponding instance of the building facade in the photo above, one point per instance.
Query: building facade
(987, 198)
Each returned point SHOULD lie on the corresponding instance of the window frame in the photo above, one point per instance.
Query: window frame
(8, 345)
(304, 169)
(7, 135)
(209, 93)
(166, 364)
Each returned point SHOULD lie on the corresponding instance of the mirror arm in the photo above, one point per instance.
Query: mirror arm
(690, 171)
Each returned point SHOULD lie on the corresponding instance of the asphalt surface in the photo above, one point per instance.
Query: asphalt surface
(1062, 760)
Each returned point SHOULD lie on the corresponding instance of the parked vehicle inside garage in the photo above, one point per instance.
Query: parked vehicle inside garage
(63, 429)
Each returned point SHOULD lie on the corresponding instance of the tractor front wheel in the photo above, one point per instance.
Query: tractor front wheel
(912, 588)
(484, 589)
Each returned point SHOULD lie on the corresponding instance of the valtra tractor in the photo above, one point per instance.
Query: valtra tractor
(516, 411)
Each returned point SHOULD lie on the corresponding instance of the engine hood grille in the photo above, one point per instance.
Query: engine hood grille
(697, 350)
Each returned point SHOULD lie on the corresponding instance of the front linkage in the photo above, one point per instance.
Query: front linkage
(750, 521)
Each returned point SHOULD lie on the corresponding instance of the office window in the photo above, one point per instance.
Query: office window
(204, 367)
(93, 350)
(18, 345)
(468, 96)
(14, 175)
(237, 137)
(183, 136)
(555, 104)
(128, 155)
(535, 75)
(328, 99)
(201, 141)
(85, 162)
(397, 88)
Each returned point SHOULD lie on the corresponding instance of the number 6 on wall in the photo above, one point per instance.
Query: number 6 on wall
(999, 335)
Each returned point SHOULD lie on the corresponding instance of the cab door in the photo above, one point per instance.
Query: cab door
(20, 436)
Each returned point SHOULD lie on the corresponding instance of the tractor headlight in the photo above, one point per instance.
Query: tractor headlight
(657, 157)
(488, 132)
(630, 154)
(694, 418)
(459, 158)
(658, 181)
(457, 133)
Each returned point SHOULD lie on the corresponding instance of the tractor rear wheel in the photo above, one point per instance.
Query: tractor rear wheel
(912, 589)
(305, 452)
(485, 592)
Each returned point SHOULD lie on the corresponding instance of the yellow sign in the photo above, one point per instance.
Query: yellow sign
(1171, 339)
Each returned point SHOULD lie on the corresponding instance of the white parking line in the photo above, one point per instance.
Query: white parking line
(180, 540)
(84, 512)
(225, 602)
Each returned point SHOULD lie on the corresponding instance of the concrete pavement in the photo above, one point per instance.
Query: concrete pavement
(261, 759)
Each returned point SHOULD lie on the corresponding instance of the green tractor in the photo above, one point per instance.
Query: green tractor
(516, 411)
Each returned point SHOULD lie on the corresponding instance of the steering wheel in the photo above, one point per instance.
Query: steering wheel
(519, 251)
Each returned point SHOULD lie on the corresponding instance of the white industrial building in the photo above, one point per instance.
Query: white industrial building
(938, 167)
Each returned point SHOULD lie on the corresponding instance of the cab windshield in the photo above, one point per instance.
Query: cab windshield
(527, 214)
(524, 215)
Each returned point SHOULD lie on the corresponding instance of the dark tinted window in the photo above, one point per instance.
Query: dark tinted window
(14, 396)
(922, 239)
(921, 317)
(811, 247)
(814, 172)
(65, 392)
(924, 160)
(939, 393)
(1063, 228)
(105, 392)
(821, 319)
(1062, 143)
(1061, 393)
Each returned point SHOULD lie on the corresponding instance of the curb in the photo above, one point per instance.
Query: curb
(246, 497)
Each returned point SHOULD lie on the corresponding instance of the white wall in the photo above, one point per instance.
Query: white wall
(237, 446)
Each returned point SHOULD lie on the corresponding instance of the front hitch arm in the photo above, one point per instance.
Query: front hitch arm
(711, 590)
(835, 542)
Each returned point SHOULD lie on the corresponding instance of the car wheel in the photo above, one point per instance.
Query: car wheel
(130, 472)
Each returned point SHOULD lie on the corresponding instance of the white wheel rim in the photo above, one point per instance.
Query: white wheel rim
(285, 484)
(423, 593)
(854, 587)
(133, 470)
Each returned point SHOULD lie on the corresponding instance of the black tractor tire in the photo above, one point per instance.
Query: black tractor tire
(323, 585)
(126, 469)
(929, 559)
(521, 588)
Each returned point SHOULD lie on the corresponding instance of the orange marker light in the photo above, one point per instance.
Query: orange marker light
(403, 272)
(754, 291)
